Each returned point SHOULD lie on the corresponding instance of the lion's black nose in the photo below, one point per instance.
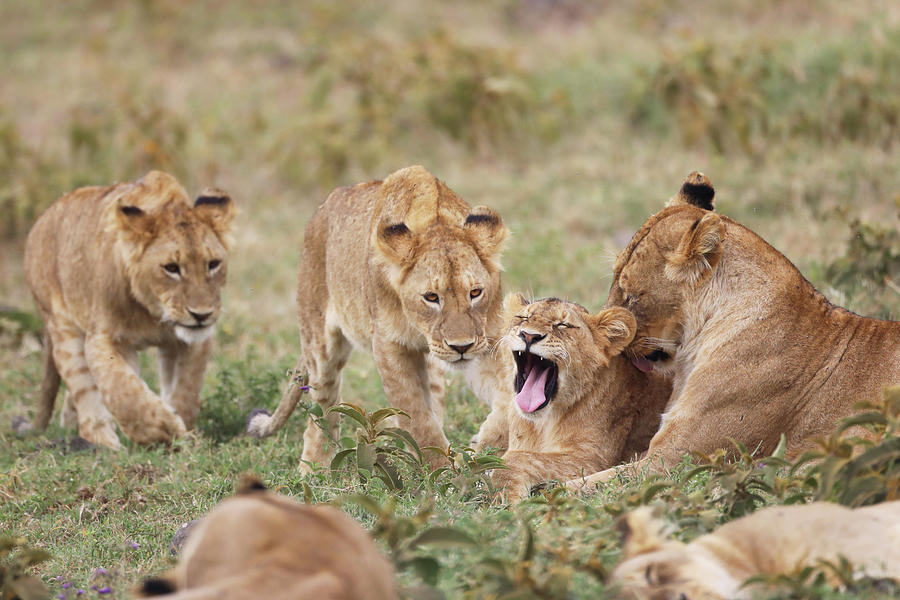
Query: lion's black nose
(461, 348)
(531, 338)
(200, 316)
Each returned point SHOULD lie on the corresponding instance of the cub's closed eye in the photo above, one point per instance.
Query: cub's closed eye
(475, 293)
(562, 325)
(172, 268)
(431, 297)
(214, 263)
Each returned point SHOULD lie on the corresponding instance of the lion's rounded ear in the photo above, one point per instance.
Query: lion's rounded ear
(699, 250)
(696, 190)
(216, 208)
(642, 531)
(134, 222)
(486, 229)
(616, 326)
(513, 303)
(395, 243)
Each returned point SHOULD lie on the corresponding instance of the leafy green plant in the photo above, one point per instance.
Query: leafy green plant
(239, 384)
(16, 558)
(378, 448)
(869, 271)
(409, 538)
(820, 582)
(466, 474)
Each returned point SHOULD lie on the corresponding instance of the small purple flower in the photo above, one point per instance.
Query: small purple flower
(135, 545)
(61, 596)
(79, 592)
(67, 585)
(104, 590)
(94, 587)
(100, 571)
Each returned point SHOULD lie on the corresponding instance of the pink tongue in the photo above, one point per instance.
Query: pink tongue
(643, 364)
(532, 394)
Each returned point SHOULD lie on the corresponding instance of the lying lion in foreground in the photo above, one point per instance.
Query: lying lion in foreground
(754, 351)
(261, 545)
(775, 540)
(580, 405)
(405, 269)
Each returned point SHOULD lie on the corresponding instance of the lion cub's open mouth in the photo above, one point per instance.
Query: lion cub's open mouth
(536, 379)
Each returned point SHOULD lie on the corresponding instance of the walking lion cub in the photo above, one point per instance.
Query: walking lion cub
(116, 269)
(405, 269)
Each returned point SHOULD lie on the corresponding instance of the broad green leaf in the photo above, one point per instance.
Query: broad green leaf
(383, 413)
(339, 458)
(365, 456)
(352, 411)
(425, 567)
(404, 436)
(442, 537)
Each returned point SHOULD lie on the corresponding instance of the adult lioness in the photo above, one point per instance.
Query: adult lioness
(580, 405)
(754, 350)
(113, 270)
(402, 268)
(778, 540)
(261, 545)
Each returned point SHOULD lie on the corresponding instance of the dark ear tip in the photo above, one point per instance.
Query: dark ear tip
(215, 197)
(474, 218)
(698, 190)
(250, 483)
(131, 211)
(156, 586)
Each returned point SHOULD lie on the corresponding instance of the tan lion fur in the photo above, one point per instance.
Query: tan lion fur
(604, 411)
(777, 540)
(96, 264)
(755, 352)
(372, 255)
(257, 544)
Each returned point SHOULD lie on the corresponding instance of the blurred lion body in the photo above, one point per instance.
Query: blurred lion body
(777, 540)
(261, 545)
(754, 350)
(600, 411)
(406, 270)
(116, 269)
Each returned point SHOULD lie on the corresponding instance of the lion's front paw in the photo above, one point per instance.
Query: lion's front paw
(160, 426)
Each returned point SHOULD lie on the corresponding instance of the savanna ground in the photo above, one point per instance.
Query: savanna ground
(575, 120)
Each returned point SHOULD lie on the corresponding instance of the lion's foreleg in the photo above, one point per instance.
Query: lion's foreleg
(404, 376)
(181, 377)
(95, 423)
(141, 414)
(526, 469)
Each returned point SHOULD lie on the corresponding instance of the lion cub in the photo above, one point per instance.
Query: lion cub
(580, 405)
(776, 540)
(408, 271)
(261, 545)
(116, 269)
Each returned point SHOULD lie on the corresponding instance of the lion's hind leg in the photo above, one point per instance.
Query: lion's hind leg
(49, 385)
(326, 360)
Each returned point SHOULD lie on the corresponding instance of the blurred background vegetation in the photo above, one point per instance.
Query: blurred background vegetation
(576, 120)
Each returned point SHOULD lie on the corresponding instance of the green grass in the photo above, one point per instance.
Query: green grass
(574, 121)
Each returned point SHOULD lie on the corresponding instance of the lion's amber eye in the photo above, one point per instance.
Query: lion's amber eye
(475, 293)
(172, 268)
(213, 264)
(431, 297)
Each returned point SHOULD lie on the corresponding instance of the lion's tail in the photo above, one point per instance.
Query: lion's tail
(261, 423)
(49, 386)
